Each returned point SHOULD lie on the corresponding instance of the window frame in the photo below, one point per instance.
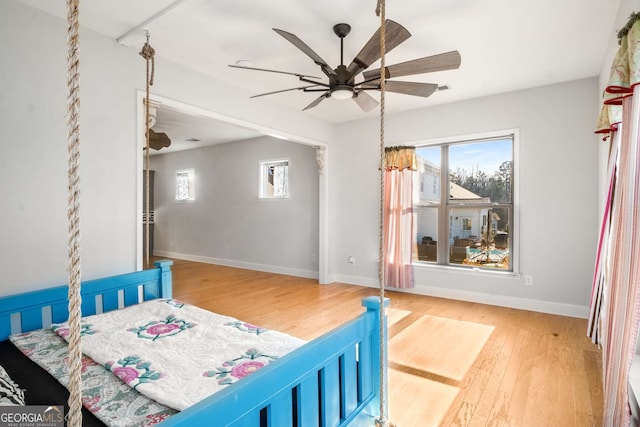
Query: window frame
(444, 209)
(262, 170)
(192, 185)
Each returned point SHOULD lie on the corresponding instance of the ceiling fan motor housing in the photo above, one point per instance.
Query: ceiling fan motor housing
(342, 30)
(342, 85)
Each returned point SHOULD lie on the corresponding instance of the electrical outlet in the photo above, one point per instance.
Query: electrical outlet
(528, 280)
(313, 257)
(352, 260)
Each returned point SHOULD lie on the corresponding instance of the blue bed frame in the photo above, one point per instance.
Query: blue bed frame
(330, 381)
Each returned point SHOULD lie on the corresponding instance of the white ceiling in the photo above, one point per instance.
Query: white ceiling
(506, 45)
(182, 126)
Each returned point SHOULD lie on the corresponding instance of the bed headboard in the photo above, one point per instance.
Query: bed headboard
(34, 310)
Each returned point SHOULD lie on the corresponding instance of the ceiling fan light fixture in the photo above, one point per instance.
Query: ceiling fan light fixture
(342, 92)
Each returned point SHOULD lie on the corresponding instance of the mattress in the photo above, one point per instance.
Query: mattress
(40, 387)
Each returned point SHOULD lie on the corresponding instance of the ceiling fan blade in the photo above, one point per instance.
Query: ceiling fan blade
(283, 90)
(293, 39)
(395, 34)
(316, 101)
(365, 101)
(444, 61)
(158, 140)
(273, 71)
(408, 88)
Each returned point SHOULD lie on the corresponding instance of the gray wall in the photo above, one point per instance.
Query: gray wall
(228, 223)
(558, 168)
(558, 185)
(33, 148)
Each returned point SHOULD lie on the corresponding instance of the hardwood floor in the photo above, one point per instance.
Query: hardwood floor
(533, 370)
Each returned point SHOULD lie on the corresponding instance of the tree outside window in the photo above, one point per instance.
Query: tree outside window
(466, 219)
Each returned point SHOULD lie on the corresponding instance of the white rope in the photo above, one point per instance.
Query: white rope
(73, 214)
(382, 421)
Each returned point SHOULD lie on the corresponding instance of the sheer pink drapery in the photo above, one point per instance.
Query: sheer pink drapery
(615, 300)
(398, 217)
(621, 305)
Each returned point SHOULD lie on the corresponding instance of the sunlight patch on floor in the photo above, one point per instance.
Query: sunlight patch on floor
(418, 401)
(440, 346)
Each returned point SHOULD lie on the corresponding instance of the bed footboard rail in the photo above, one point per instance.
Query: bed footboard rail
(333, 380)
(34, 310)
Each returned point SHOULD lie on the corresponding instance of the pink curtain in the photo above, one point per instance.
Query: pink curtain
(621, 316)
(599, 273)
(615, 300)
(398, 221)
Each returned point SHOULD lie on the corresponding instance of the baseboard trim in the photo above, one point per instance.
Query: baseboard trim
(540, 306)
(288, 271)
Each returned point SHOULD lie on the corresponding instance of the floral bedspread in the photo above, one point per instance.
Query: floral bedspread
(175, 353)
(108, 398)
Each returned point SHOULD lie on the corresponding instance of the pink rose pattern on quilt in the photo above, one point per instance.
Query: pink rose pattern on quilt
(63, 331)
(238, 368)
(133, 371)
(247, 327)
(108, 398)
(161, 348)
(162, 328)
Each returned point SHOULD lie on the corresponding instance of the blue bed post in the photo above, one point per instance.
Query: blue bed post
(165, 277)
(372, 304)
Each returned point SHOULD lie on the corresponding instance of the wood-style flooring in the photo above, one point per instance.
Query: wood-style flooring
(534, 369)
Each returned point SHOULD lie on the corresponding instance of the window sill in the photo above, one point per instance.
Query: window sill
(274, 198)
(471, 271)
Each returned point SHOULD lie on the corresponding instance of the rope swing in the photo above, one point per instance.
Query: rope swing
(73, 215)
(74, 416)
(382, 421)
(148, 53)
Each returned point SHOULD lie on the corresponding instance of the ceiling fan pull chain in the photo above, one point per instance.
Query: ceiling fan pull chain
(148, 53)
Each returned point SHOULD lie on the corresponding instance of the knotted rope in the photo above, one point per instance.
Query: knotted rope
(148, 53)
(73, 215)
(382, 421)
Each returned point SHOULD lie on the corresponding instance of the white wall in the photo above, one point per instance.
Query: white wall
(558, 195)
(228, 224)
(557, 163)
(33, 163)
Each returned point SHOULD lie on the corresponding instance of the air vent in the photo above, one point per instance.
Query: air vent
(193, 140)
(152, 218)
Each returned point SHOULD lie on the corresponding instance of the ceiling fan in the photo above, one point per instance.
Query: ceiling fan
(342, 84)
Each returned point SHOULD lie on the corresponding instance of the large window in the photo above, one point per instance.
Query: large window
(274, 179)
(463, 203)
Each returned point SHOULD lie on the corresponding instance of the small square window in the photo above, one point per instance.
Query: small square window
(274, 179)
(185, 190)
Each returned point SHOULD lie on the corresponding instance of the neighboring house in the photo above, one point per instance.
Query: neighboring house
(468, 223)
